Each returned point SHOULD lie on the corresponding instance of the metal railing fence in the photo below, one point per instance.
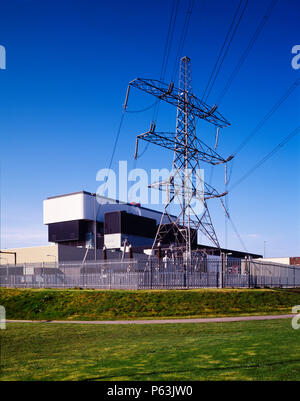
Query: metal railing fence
(145, 273)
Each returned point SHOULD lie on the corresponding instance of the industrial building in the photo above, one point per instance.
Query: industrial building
(289, 260)
(77, 219)
(88, 220)
(97, 242)
(80, 222)
(51, 253)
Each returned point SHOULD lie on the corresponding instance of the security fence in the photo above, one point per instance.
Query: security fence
(151, 273)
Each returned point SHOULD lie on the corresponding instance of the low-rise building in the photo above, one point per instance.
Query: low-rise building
(288, 260)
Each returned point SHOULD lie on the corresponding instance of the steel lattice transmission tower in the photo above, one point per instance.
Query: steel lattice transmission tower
(185, 186)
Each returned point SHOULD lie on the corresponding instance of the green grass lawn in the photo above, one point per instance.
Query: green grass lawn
(47, 304)
(257, 350)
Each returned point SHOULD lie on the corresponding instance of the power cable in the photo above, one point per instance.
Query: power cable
(268, 115)
(113, 152)
(265, 158)
(116, 140)
(183, 37)
(144, 151)
(169, 40)
(276, 106)
(142, 110)
(226, 218)
(214, 73)
(237, 234)
(270, 154)
(247, 50)
(230, 173)
(231, 31)
(168, 47)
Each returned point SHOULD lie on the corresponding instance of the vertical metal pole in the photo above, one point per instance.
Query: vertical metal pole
(159, 255)
(221, 284)
(110, 268)
(95, 228)
(247, 267)
(207, 275)
(187, 275)
(84, 276)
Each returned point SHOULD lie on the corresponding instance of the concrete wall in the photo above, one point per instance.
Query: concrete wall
(35, 254)
(39, 254)
(285, 261)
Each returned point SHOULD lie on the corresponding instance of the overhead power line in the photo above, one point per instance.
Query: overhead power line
(167, 49)
(183, 37)
(116, 140)
(166, 54)
(276, 106)
(247, 50)
(168, 46)
(265, 158)
(163, 68)
(169, 40)
(237, 234)
(224, 49)
(142, 110)
(218, 64)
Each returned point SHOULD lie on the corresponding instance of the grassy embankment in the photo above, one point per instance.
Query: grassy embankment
(47, 304)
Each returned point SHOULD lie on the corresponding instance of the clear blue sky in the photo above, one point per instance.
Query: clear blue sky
(68, 65)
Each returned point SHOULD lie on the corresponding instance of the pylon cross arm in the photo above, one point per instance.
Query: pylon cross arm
(171, 188)
(173, 96)
(168, 140)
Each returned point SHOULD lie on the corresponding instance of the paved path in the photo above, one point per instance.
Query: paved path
(161, 321)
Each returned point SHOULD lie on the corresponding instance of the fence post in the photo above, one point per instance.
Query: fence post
(207, 279)
(221, 273)
(43, 274)
(25, 278)
(85, 277)
(6, 274)
(248, 269)
(110, 267)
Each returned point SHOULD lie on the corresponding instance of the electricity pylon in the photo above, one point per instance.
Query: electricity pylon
(185, 186)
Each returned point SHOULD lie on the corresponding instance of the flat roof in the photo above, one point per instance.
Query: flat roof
(237, 254)
(105, 197)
